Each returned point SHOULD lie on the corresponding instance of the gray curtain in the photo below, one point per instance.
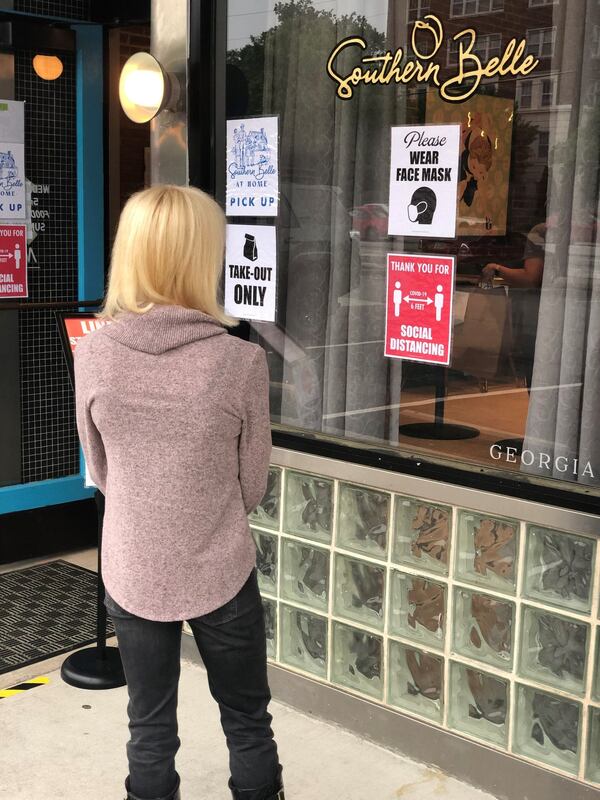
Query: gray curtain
(334, 157)
(564, 410)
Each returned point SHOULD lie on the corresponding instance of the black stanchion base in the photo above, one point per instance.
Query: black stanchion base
(93, 669)
(438, 430)
(515, 444)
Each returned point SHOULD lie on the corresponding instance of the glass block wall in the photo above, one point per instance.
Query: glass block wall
(485, 626)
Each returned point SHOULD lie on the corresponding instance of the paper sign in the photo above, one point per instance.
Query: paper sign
(13, 261)
(78, 327)
(423, 181)
(420, 291)
(252, 167)
(12, 160)
(251, 272)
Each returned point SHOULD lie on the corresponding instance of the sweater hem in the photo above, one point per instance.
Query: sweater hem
(151, 616)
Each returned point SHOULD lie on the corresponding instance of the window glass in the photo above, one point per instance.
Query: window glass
(522, 393)
(463, 8)
(417, 9)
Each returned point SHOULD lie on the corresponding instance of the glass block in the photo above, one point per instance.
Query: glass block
(417, 608)
(308, 506)
(267, 513)
(363, 520)
(596, 685)
(554, 650)
(547, 728)
(303, 640)
(484, 628)
(359, 591)
(305, 574)
(415, 681)
(270, 609)
(357, 660)
(487, 551)
(479, 704)
(266, 560)
(422, 534)
(560, 568)
(592, 768)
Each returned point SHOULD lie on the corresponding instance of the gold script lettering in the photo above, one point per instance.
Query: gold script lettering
(396, 67)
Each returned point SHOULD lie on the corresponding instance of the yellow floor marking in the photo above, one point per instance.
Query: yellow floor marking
(24, 686)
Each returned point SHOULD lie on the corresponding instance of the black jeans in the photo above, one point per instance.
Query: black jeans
(232, 644)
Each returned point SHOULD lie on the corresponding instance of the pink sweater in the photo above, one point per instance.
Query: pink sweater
(173, 415)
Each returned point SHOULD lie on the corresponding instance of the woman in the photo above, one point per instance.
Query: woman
(173, 416)
(524, 283)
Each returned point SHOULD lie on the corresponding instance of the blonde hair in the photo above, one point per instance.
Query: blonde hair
(168, 251)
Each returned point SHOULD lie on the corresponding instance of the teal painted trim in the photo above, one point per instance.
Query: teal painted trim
(90, 160)
(43, 493)
(90, 222)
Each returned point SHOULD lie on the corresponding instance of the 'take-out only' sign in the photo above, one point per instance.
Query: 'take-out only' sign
(420, 292)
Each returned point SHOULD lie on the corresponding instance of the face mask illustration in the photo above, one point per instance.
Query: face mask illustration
(422, 206)
(415, 211)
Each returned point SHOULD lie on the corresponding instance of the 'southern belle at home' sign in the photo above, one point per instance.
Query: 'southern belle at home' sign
(426, 67)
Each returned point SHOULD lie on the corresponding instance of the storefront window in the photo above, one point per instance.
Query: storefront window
(524, 375)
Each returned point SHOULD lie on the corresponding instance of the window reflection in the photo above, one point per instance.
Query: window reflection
(525, 370)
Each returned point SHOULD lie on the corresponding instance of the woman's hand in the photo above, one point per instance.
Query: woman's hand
(489, 272)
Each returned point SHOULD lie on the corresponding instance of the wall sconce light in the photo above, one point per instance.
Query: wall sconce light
(48, 68)
(146, 89)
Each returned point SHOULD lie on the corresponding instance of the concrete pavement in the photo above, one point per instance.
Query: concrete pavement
(60, 743)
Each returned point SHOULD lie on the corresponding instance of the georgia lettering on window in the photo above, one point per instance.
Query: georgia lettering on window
(396, 67)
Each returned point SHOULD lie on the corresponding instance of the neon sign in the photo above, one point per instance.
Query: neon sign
(396, 67)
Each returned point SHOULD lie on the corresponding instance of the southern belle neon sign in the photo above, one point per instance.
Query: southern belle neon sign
(397, 67)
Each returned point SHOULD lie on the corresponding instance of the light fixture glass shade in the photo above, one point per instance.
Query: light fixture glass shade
(142, 88)
(48, 68)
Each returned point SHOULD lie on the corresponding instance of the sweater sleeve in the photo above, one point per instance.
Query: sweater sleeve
(89, 435)
(255, 437)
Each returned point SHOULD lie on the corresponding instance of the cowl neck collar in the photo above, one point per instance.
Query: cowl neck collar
(163, 328)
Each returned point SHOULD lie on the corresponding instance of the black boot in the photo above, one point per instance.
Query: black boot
(237, 796)
(175, 794)
(277, 795)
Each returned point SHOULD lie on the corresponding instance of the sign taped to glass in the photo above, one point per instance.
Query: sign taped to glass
(423, 181)
(13, 261)
(12, 160)
(419, 314)
(251, 272)
(252, 167)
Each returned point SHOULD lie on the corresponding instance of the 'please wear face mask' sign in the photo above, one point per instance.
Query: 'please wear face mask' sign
(424, 180)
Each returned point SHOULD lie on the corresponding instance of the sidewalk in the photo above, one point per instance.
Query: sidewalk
(61, 743)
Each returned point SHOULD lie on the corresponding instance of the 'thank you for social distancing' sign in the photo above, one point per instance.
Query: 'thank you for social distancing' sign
(424, 181)
(251, 272)
(419, 307)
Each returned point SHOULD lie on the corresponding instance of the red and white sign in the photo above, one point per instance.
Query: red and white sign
(420, 291)
(13, 261)
(78, 327)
